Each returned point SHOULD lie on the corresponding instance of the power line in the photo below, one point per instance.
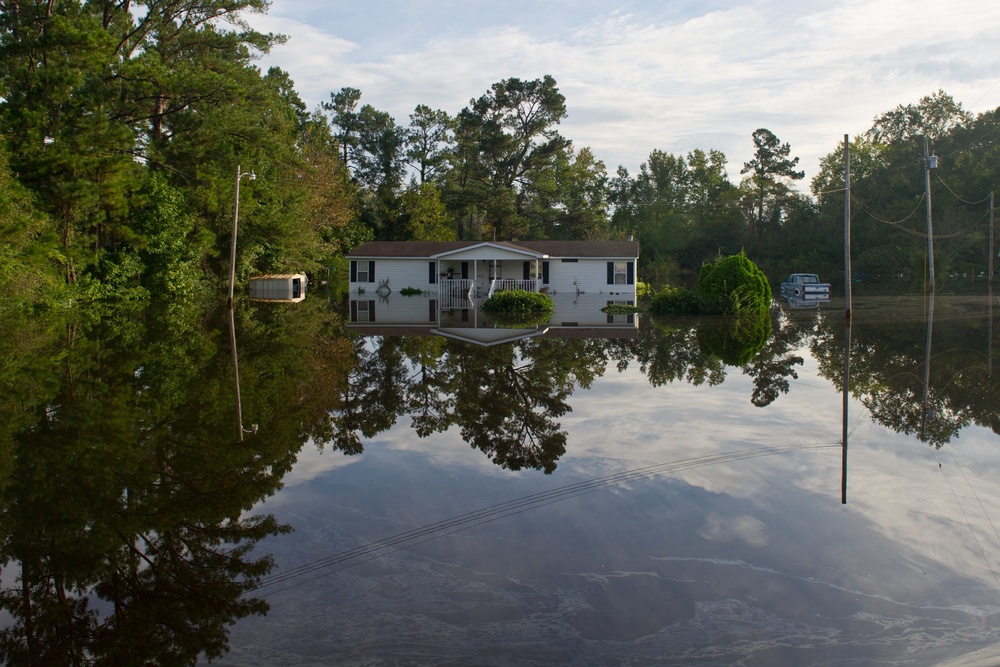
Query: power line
(985, 94)
(964, 201)
(869, 211)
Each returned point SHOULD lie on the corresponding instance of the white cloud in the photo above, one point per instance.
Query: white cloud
(639, 77)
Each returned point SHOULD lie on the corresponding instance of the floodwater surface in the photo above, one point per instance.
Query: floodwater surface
(679, 496)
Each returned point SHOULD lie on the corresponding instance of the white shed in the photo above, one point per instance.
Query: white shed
(279, 287)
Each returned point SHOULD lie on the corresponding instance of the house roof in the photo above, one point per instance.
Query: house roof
(415, 249)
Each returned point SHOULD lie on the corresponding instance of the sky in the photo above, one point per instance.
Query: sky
(640, 75)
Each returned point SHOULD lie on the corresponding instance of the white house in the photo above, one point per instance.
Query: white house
(482, 267)
(454, 277)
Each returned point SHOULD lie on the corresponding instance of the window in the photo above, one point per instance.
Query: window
(621, 273)
(363, 311)
(362, 271)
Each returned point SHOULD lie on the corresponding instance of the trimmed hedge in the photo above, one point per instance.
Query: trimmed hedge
(518, 301)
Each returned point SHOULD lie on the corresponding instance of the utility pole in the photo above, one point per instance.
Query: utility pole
(847, 227)
(847, 314)
(930, 162)
(991, 239)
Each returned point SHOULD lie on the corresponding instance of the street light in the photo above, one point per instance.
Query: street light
(236, 216)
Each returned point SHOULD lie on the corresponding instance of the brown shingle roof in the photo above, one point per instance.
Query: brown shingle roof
(415, 249)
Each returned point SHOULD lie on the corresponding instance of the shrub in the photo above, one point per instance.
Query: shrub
(410, 291)
(518, 301)
(675, 301)
(732, 285)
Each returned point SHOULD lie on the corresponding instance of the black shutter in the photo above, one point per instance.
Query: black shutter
(354, 309)
(545, 273)
(432, 310)
(611, 273)
(527, 270)
(631, 273)
(432, 274)
(371, 271)
(354, 270)
(465, 270)
(371, 310)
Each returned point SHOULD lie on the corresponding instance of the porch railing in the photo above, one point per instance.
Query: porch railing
(457, 292)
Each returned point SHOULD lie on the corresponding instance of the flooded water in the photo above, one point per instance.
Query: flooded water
(662, 492)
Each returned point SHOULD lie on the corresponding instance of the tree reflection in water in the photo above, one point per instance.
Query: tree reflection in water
(126, 534)
(889, 356)
(127, 530)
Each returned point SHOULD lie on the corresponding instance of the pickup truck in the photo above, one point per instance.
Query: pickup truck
(805, 286)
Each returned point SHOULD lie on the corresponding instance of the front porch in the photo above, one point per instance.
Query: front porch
(458, 292)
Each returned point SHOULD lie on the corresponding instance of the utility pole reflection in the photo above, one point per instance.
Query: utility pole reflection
(927, 368)
(236, 378)
(847, 396)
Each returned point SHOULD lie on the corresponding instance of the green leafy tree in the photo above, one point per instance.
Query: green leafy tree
(342, 108)
(30, 256)
(568, 199)
(509, 137)
(429, 140)
(97, 97)
(425, 214)
(766, 190)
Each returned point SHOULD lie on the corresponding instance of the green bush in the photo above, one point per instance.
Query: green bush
(733, 285)
(518, 301)
(675, 301)
(410, 291)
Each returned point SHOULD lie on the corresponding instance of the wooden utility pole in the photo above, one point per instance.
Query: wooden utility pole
(991, 239)
(847, 312)
(847, 227)
(930, 162)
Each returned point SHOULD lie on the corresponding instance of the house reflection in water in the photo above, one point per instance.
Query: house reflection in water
(573, 317)
(454, 278)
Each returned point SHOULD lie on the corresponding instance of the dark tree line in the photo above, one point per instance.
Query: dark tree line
(123, 123)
